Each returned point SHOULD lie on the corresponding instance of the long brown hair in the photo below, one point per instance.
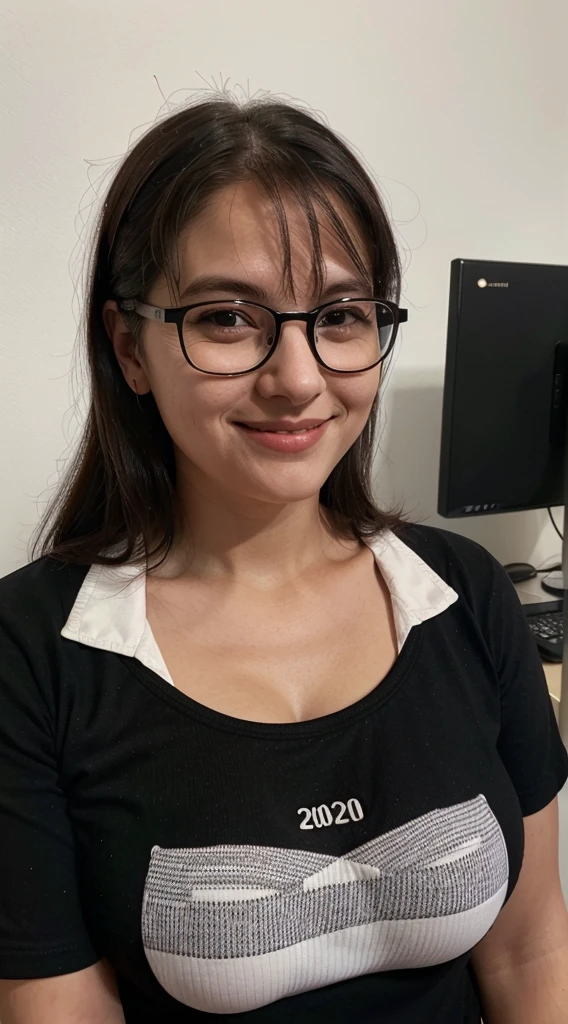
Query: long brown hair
(119, 489)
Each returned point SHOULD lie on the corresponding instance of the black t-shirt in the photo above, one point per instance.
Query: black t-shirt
(338, 869)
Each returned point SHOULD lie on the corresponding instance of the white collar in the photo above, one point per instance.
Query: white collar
(110, 609)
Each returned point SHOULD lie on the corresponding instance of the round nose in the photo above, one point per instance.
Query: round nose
(293, 370)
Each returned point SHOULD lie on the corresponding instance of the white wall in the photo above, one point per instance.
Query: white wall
(459, 108)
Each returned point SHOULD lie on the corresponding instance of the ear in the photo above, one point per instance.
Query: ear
(125, 348)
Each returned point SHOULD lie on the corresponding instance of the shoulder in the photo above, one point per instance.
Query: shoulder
(443, 549)
(35, 603)
(486, 595)
(40, 594)
(462, 563)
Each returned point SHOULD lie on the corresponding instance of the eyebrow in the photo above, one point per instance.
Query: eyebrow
(211, 283)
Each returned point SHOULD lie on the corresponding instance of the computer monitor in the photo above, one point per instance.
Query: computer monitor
(505, 388)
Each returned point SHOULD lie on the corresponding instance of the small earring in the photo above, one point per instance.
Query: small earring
(134, 382)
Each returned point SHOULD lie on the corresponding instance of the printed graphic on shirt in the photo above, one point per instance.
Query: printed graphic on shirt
(230, 928)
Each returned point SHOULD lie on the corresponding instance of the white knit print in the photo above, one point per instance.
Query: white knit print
(230, 928)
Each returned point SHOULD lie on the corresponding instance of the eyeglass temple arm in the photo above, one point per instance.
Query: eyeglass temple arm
(143, 309)
(384, 319)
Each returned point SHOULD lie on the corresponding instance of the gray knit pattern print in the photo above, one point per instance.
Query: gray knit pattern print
(227, 902)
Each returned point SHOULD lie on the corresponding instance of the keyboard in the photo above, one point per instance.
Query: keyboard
(546, 622)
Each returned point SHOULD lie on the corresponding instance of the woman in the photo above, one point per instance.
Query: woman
(267, 750)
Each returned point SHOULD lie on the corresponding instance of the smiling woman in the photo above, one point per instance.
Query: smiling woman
(254, 360)
(220, 202)
(266, 749)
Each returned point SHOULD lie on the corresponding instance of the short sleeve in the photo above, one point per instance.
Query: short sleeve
(529, 741)
(42, 932)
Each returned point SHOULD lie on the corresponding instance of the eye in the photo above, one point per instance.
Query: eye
(342, 316)
(226, 318)
(337, 318)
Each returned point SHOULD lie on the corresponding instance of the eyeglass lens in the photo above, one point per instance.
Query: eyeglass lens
(224, 337)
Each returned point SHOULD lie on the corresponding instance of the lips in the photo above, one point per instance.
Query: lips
(289, 441)
(265, 430)
(284, 427)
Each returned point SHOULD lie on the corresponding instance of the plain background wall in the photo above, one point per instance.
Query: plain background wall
(459, 110)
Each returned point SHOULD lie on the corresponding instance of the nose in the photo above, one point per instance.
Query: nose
(292, 370)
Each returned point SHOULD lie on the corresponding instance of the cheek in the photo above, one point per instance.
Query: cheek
(195, 407)
(356, 394)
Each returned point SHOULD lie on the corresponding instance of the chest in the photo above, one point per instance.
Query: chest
(224, 859)
(298, 656)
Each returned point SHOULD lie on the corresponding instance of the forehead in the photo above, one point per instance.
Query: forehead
(238, 232)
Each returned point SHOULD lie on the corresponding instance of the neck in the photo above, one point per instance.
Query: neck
(228, 537)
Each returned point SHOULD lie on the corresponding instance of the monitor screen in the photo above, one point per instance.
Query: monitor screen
(501, 449)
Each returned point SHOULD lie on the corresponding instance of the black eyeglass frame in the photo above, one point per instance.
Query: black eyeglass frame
(175, 315)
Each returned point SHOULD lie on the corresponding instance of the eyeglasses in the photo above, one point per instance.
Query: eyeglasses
(232, 336)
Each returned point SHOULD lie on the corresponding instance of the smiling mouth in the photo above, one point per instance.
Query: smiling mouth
(262, 430)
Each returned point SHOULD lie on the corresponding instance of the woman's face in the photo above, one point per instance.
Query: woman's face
(236, 238)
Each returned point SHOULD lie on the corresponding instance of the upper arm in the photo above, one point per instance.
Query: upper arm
(534, 921)
(85, 997)
(42, 929)
(529, 742)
